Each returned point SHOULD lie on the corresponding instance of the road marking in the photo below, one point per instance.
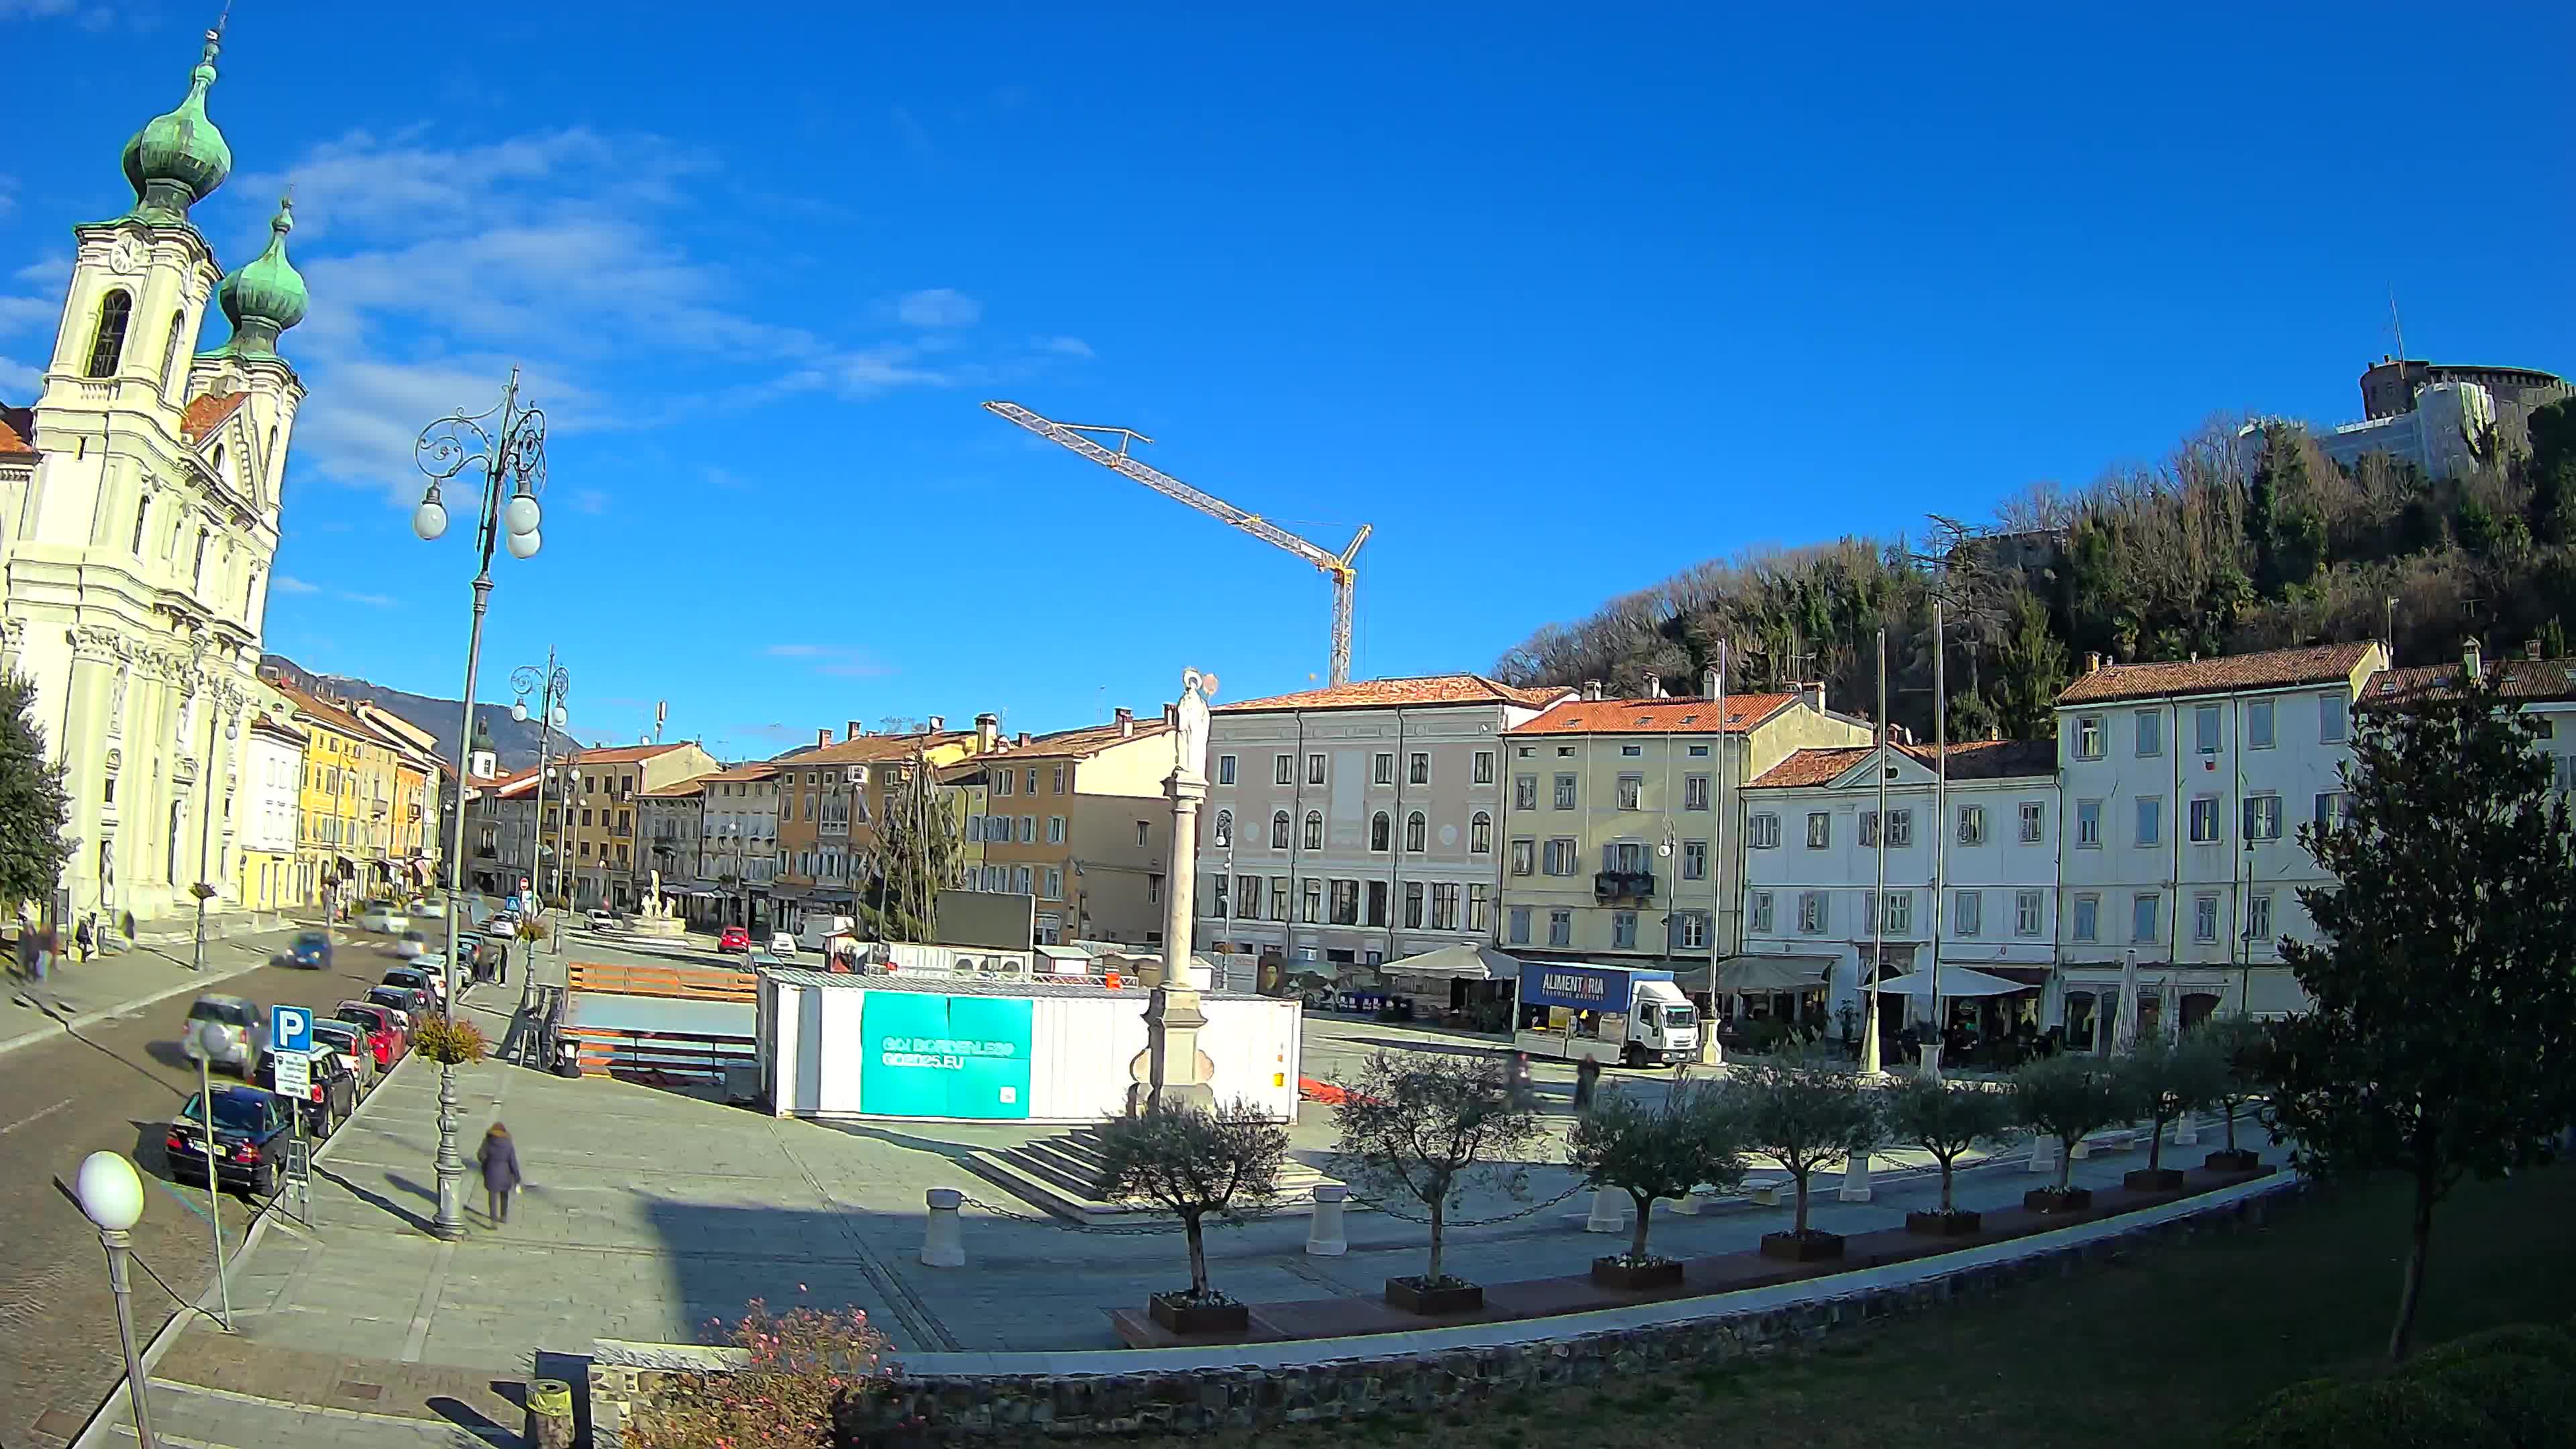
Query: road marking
(35, 1117)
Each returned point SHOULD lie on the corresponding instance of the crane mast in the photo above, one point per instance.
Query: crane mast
(1339, 567)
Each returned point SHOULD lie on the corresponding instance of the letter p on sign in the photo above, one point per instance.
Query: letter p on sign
(290, 1029)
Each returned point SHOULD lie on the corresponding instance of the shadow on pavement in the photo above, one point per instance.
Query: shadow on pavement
(376, 1199)
(474, 1421)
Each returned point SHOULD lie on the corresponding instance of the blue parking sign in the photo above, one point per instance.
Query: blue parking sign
(290, 1029)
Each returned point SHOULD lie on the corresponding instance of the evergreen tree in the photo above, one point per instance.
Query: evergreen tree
(2444, 978)
(917, 856)
(2033, 670)
(33, 808)
(2551, 471)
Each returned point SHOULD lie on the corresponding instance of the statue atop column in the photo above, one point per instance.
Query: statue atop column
(1176, 1070)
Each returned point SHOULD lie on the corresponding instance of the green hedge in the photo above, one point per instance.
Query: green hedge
(2526, 1397)
(2501, 1388)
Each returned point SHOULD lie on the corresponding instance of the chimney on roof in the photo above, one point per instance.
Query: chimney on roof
(823, 736)
(1814, 695)
(988, 731)
(852, 731)
(2471, 656)
(938, 723)
(2092, 661)
(2531, 649)
(1708, 682)
(1024, 737)
(1654, 685)
(1126, 724)
(1592, 689)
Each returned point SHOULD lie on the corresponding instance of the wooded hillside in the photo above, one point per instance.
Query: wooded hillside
(2204, 554)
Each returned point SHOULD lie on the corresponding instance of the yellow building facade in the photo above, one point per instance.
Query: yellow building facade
(344, 839)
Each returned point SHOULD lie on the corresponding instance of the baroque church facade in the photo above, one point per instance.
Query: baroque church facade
(142, 510)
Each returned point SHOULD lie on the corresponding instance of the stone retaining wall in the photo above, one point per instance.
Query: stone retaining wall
(626, 1377)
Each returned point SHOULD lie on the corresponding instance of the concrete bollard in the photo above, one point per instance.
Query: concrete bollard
(1324, 1231)
(1931, 1070)
(943, 1244)
(2187, 1131)
(1856, 1178)
(550, 1421)
(2043, 1153)
(1691, 1204)
(1609, 1213)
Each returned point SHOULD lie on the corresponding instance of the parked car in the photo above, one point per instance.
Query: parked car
(408, 1006)
(782, 944)
(384, 1032)
(410, 943)
(385, 920)
(226, 1031)
(353, 1044)
(249, 1124)
(311, 950)
(431, 910)
(603, 920)
(430, 983)
(734, 938)
(331, 1093)
(762, 961)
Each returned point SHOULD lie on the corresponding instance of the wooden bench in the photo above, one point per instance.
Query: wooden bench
(684, 983)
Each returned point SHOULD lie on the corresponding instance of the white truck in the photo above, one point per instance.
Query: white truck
(826, 934)
(1610, 1014)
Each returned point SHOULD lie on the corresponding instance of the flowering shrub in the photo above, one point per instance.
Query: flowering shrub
(451, 1040)
(803, 1365)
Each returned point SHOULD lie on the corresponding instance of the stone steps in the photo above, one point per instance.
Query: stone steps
(1055, 1174)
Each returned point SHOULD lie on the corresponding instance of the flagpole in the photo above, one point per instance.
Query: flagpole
(1940, 830)
(1878, 900)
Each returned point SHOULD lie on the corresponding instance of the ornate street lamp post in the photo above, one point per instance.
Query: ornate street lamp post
(550, 685)
(508, 446)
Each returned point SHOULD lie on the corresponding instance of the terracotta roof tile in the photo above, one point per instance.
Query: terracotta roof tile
(868, 749)
(1969, 760)
(2531, 679)
(679, 790)
(1425, 689)
(15, 426)
(623, 754)
(2272, 669)
(1670, 715)
(1078, 744)
(756, 770)
(207, 413)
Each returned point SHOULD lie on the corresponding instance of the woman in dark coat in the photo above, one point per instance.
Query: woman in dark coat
(500, 1163)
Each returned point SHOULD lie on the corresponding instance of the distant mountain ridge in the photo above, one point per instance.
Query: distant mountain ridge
(515, 743)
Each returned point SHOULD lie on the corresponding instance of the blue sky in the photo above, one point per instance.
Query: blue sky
(1560, 300)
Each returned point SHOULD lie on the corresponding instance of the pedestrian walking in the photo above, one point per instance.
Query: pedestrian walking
(499, 1160)
(82, 941)
(48, 946)
(1587, 1077)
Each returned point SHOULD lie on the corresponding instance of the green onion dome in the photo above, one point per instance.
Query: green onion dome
(177, 159)
(266, 296)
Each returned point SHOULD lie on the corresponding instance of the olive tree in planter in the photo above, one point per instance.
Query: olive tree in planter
(2067, 1097)
(1651, 1152)
(1429, 1128)
(2238, 1042)
(1802, 1111)
(1947, 1121)
(1194, 1164)
(2163, 1079)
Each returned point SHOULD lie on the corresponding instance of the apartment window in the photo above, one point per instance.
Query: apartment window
(2026, 913)
(2204, 729)
(1632, 789)
(1279, 897)
(1565, 792)
(1314, 903)
(1560, 856)
(1694, 860)
(2262, 817)
(1560, 928)
(1381, 832)
(585, 816)
(1758, 912)
(1479, 904)
(1314, 769)
(1525, 792)
(2204, 917)
(1524, 857)
(1699, 752)
(1869, 830)
(2088, 916)
(2088, 824)
(1283, 771)
(1225, 769)
(1897, 909)
(1820, 830)
(2258, 916)
(2142, 916)
(1694, 792)
(1623, 930)
(1029, 830)
(1225, 827)
(2258, 724)
(1417, 769)
(1632, 751)
(1484, 772)
(1763, 832)
(1346, 903)
(1972, 825)
(1967, 913)
(1519, 925)
(2088, 737)
(2330, 718)
(2151, 819)
(1004, 780)
(2204, 819)
(1412, 904)
(1279, 830)
(1900, 829)
(1314, 830)
(1417, 831)
(1811, 913)
(1694, 933)
(2151, 733)
(2332, 808)
(1382, 768)
(1055, 831)
(1055, 887)
(1480, 834)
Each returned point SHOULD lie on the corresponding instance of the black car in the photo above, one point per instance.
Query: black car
(251, 1128)
(330, 1099)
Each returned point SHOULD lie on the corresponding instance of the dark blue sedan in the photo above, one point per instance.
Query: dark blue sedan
(251, 1129)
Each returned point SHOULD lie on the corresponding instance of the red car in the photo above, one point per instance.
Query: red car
(735, 938)
(381, 1034)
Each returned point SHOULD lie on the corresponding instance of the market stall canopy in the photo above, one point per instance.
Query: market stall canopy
(1457, 963)
(1757, 974)
(1955, 981)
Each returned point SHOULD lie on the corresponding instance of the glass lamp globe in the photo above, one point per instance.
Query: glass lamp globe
(560, 716)
(519, 710)
(429, 520)
(110, 1191)
(520, 515)
(523, 545)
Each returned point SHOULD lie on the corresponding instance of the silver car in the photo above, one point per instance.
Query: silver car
(226, 1031)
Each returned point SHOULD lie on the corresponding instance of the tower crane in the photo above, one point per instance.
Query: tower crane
(1335, 566)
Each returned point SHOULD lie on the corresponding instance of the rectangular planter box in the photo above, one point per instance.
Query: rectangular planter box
(2050, 1200)
(1635, 1277)
(1195, 1319)
(1815, 1247)
(1958, 1224)
(2239, 1160)
(2152, 1179)
(1409, 1295)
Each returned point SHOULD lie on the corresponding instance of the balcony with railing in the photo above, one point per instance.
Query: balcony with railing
(1623, 885)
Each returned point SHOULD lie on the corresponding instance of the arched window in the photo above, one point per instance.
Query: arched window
(107, 344)
(1381, 831)
(1225, 827)
(1415, 828)
(170, 351)
(142, 520)
(1314, 830)
(1279, 830)
(1480, 834)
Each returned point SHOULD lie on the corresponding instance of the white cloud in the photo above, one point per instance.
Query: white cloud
(289, 584)
(791, 651)
(373, 601)
(55, 270)
(938, 307)
(20, 314)
(590, 500)
(8, 192)
(1064, 346)
(18, 377)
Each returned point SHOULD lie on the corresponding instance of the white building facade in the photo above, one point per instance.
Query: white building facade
(738, 840)
(1978, 888)
(1340, 822)
(2184, 785)
(273, 772)
(143, 517)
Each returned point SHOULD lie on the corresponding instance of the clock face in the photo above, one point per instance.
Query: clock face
(126, 256)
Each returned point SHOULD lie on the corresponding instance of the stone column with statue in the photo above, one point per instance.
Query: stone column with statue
(1174, 1070)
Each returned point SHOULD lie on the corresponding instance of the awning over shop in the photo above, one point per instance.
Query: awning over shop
(1955, 981)
(1757, 974)
(1461, 962)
